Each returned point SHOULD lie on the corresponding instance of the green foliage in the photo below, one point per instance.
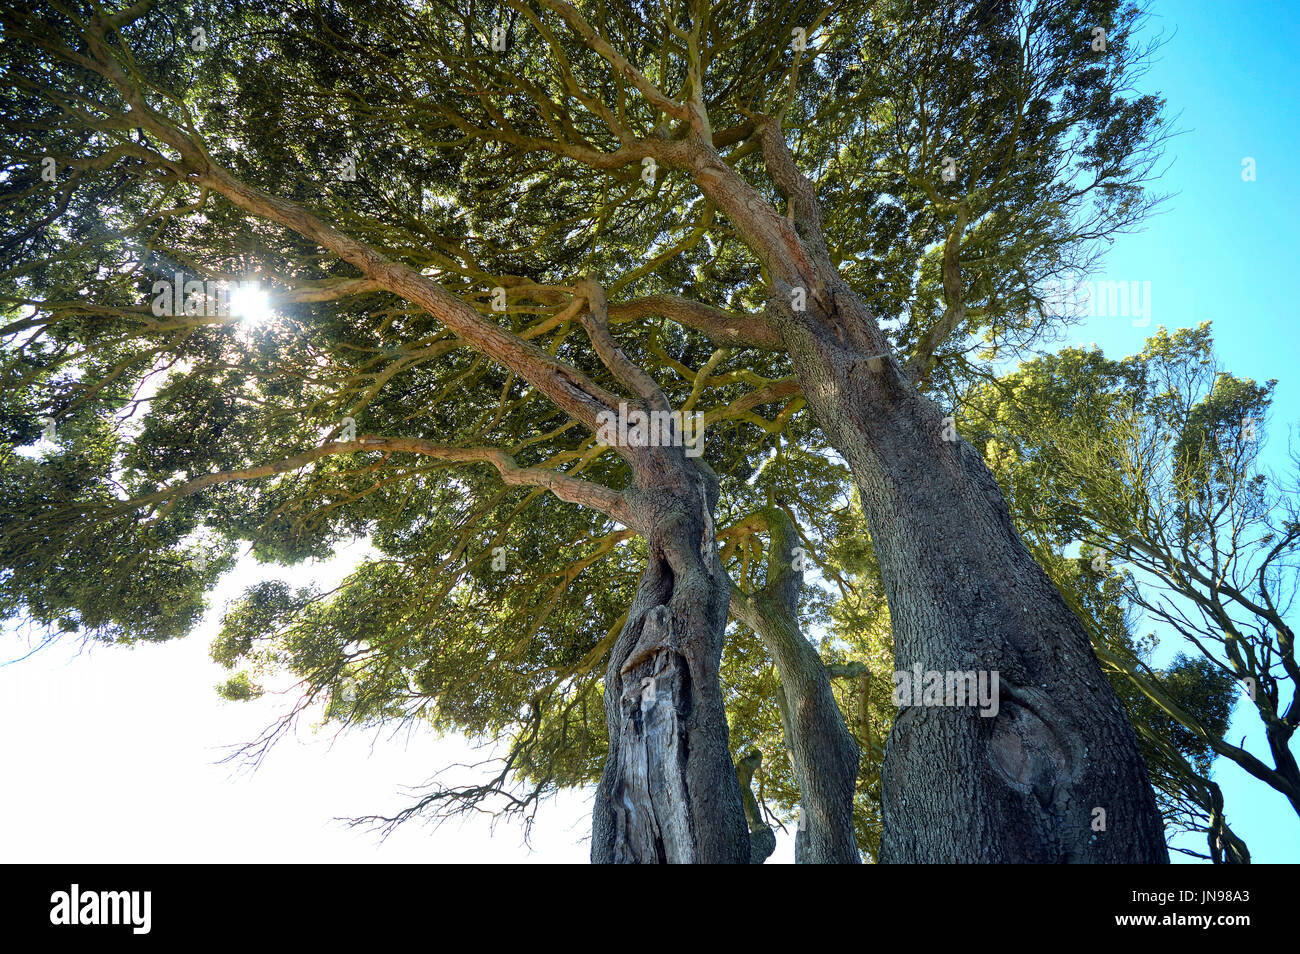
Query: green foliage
(1147, 466)
(474, 168)
(239, 688)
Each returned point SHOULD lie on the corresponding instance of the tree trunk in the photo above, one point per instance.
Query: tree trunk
(1225, 847)
(823, 752)
(762, 840)
(669, 791)
(1027, 784)
(964, 593)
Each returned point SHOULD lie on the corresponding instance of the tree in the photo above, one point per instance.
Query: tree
(1179, 760)
(824, 754)
(947, 160)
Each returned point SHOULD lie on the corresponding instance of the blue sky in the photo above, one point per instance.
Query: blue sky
(1224, 250)
(110, 754)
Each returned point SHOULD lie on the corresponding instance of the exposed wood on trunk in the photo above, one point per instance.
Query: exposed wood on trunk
(669, 792)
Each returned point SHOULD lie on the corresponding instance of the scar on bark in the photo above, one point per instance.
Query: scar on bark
(1028, 751)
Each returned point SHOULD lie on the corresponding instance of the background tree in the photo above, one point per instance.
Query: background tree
(1151, 464)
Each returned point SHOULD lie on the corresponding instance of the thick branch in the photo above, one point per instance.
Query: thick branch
(595, 320)
(954, 297)
(564, 486)
(722, 327)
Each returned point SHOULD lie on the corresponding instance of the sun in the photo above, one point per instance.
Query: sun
(250, 304)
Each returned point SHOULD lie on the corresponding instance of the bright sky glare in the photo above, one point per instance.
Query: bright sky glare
(250, 304)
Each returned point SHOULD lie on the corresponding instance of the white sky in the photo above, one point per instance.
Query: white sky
(111, 754)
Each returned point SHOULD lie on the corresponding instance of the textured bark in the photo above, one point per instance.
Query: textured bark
(669, 791)
(965, 594)
(762, 840)
(963, 591)
(823, 753)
